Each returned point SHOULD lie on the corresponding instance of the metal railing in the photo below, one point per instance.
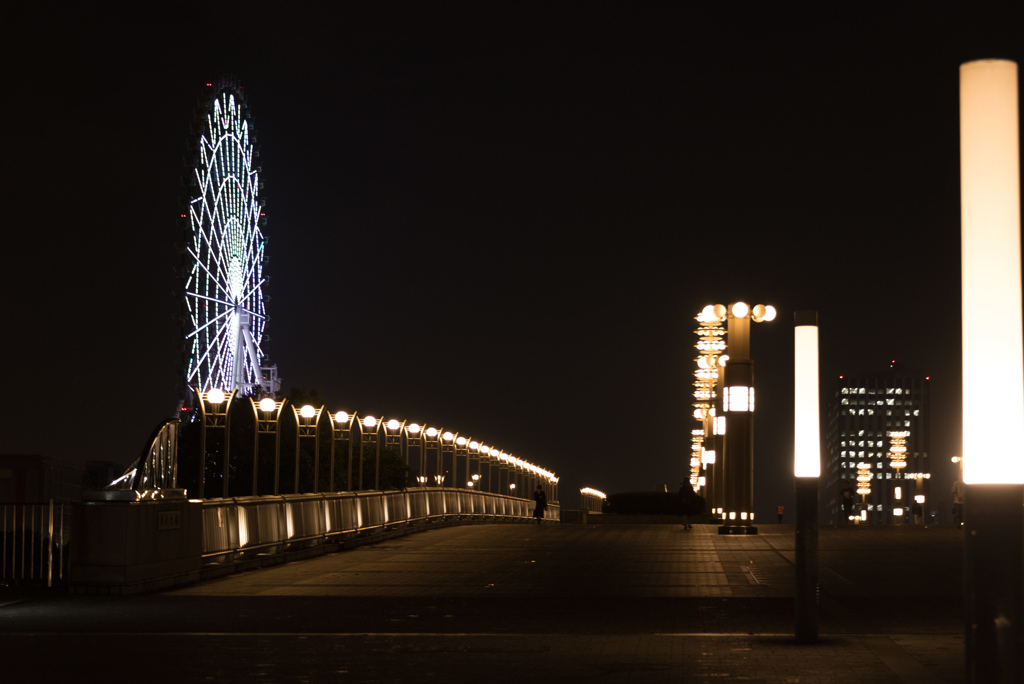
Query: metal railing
(35, 537)
(266, 524)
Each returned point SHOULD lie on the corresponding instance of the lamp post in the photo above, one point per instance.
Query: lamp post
(392, 437)
(268, 417)
(707, 377)
(491, 482)
(898, 461)
(432, 437)
(461, 448)
(993, 457)
(737, 402)
(342, 431)
(414, 437)
(807, 472)
(514, 472)
(864, 487)
(448, 448)
(370, 425)
(306, 420)
(473, 463)
(215, 409)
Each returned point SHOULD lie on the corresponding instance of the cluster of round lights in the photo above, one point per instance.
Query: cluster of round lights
(898, 449)
(713, 313)
(267, 405)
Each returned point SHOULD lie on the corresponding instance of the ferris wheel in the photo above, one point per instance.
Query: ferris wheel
(223, 256)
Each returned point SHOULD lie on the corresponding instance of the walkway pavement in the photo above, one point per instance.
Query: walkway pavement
(550, 603)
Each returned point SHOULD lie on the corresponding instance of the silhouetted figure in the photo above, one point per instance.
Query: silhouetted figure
(959, 489)
(542, 503)
(689, 504)
(846, 497)
(779, 510)
(918, 511)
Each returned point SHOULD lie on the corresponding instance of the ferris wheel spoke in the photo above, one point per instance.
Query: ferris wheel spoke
(214, 278)
(208, 323)
(209, 299)
(253, 290)
(211, 350)
(254, 259)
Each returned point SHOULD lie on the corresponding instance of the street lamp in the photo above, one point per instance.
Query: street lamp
(473, 460)
(432, 437)
(461, 448)
(807, 471)
(342, 431)
(215, 410)
(369, 425)
(993, 457)
(268, 417)
(414, 437)
(737, 404)
(392, 437)
(448, 447)
(488, 458)
(710, 347)
(898, 461)
(306, 419)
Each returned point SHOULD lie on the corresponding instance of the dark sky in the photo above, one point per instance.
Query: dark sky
(499, 217)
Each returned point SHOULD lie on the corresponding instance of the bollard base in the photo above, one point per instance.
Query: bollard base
(737, 529)
(994, 564)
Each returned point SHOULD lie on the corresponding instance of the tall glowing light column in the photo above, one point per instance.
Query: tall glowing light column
(738, 408)
(807, 469)
(993, 457)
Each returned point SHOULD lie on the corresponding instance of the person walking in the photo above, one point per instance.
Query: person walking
(779, 510)
(689, 504)
(542, 503)
(846, 496)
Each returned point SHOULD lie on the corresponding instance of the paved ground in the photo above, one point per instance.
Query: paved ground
(504, 603)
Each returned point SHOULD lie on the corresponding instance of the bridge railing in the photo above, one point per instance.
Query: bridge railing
(235, 528)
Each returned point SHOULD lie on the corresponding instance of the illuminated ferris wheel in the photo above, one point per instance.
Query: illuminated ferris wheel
(223, 257)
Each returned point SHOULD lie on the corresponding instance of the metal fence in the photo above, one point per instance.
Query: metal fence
(35, 542)
(235, 527)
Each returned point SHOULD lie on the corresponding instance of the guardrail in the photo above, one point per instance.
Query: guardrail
(141, 541)
(33, 538)
(235, 528)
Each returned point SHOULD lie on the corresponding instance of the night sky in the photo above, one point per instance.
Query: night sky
(496, 217)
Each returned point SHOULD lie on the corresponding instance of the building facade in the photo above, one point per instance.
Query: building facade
(877, 442)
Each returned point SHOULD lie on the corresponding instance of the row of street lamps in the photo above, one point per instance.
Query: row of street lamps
(475, 465)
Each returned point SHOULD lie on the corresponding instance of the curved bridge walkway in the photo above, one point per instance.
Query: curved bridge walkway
(526, 602)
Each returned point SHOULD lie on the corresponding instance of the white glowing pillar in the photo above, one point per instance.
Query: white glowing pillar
(807, 442)
(993, 394)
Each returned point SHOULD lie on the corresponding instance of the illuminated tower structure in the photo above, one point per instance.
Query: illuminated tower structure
(710, 346)
(872, 417)
(724, 406)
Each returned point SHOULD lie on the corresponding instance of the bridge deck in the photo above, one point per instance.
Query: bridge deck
(502, 603)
